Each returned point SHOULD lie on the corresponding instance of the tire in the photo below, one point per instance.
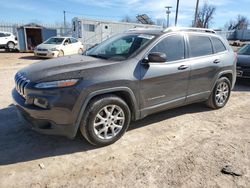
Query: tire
(220, 94)
(80, 51)
(100, 128)
(11, 45)
(60, 54)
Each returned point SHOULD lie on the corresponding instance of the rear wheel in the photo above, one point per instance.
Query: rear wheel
(106, 120)
(10, 45)
(80, 51)
(220, 95)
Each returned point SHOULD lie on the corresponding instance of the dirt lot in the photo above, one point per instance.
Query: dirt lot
(184, 147)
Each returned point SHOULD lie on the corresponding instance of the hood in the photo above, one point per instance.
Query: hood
(243, 60)
(48, 46)
(62, 68)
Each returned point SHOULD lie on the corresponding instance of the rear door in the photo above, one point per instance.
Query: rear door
(164, 85)
(205, 65)
(75, 45)
(67, 47)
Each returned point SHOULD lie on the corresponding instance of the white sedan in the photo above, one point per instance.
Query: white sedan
(58, 46)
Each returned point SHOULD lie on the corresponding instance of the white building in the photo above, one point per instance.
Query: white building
(91, 32)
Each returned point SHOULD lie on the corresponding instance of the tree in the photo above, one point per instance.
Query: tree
(205, 16)
(128, 19)
(241, 22)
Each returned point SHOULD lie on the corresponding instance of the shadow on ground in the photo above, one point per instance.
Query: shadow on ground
(19, 144)
(32, 57)
(242, 85)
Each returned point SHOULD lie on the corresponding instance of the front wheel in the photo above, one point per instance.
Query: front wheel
(60, 54)
(106, 120)
(221, 93)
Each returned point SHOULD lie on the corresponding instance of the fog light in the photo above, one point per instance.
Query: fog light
(42, 103)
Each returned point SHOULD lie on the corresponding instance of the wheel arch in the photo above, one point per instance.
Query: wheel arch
(123, 92)
(228, 74)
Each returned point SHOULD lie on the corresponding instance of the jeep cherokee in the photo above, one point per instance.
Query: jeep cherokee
(123, 79)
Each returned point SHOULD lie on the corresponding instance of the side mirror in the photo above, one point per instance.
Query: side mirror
(157, 57)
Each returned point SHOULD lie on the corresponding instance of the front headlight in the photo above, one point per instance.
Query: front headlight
(56, 84)
(54, 49)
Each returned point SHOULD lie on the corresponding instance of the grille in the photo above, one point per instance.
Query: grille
(41, 49)
(21, 82)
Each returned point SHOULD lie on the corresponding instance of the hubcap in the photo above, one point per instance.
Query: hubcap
(11, 45)
(222, 93)
(109, 122)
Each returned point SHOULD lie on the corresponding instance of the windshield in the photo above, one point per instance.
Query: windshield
(54, 40)
(120, 47)
(245, 50)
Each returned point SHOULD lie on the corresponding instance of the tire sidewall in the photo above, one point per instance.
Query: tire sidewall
(92, 137)
(223, 79)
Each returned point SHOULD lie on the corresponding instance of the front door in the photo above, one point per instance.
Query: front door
(164, 85)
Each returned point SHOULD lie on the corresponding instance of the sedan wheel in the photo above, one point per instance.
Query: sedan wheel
(80, 51)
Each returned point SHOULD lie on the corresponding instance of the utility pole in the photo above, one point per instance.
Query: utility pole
(64, 21)
(168, 13)
(176, 13)
(196, 13)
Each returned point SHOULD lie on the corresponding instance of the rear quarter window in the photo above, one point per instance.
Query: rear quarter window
(218, 45)
(200, 46)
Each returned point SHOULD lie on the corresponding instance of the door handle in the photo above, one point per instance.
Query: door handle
(216, 61)
(182, 67)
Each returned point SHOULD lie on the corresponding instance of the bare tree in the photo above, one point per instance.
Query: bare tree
(205, 16)
(241, 22)
(128, 19)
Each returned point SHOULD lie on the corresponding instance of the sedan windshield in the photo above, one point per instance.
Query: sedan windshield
(54, 40)
(120, 47)
(245, 50)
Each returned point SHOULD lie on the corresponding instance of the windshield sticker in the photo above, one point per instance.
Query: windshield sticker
(149, 37)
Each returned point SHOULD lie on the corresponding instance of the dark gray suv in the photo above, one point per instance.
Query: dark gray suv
(123, 79)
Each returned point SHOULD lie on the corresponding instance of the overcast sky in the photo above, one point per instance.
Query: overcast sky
(51, 11)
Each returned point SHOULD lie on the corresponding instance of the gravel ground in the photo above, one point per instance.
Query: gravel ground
(184, 147)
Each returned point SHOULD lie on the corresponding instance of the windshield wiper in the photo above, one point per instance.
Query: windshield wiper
(97, 56)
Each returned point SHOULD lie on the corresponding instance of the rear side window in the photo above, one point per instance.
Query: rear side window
(200, 46)
(172, 46)
(73, 40)
(218, 45)
(2, 35)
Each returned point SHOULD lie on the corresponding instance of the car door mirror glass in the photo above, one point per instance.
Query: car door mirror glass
(157, 57)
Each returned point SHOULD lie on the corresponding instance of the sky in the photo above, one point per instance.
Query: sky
(51, 11)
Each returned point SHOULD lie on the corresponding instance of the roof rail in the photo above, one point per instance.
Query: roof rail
(195, 29)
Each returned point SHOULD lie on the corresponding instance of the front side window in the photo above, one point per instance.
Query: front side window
(218, 45)
(120, 47)
(200, 46)
(172, 46)
(73, 40)
(54, 40)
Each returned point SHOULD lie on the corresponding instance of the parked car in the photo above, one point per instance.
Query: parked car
(243, 62)
(58, 46)
(7, 40)
(123, 79)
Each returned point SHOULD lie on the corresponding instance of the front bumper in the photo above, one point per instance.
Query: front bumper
(47, 54)
(53, 121)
